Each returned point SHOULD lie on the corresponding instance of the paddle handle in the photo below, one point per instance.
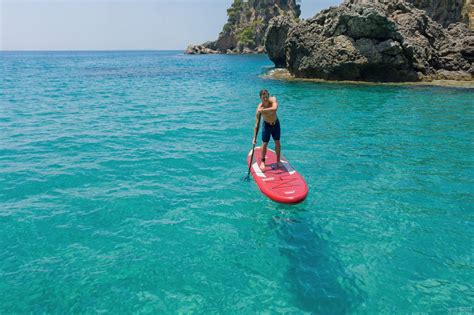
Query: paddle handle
(253, 144)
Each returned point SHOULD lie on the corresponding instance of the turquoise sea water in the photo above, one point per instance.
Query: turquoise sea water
(121, 190)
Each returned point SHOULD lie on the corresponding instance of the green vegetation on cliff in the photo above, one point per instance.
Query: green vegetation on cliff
(233, 13)
(246, 25)
(246, 37)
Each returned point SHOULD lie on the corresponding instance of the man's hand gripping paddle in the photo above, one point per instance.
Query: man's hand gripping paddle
(253, 145)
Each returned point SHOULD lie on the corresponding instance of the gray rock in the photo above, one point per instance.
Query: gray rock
(374, 42)
(444, 12)
(247, 50)
(275, 39)
(246, 26)
(261, 50)
(451, 75)
(200, 50)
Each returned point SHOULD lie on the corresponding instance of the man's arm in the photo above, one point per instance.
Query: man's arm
(257, 116)
(274, 106)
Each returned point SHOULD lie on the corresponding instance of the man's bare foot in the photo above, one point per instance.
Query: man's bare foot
(277, 165)
(262, 166)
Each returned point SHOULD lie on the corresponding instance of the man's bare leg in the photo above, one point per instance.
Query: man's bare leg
(278, 152)
(264, 152)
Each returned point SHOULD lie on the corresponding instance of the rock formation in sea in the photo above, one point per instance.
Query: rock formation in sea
(467, 14)
(372, 40)
(245, 29)
(277, 32)
(444, 12)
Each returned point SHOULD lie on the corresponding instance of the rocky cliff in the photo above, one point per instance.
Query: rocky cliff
(245, 29)
(277, 33)
(367, 41)
(467, 14)
(444, 12)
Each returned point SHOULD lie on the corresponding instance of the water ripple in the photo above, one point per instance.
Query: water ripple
(121, 190)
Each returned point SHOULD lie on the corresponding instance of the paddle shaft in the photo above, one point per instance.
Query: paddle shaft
(253, 146)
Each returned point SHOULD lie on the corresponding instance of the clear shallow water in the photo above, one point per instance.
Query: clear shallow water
(121, 190)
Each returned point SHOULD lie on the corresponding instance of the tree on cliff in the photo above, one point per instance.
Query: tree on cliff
(246, 25)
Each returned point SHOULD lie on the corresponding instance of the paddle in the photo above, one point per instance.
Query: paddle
(253, 145)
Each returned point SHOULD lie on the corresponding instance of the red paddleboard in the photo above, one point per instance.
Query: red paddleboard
(281, 184)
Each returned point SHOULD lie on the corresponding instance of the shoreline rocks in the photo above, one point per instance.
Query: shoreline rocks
(372, 41)
(205, 50)
(283, 74)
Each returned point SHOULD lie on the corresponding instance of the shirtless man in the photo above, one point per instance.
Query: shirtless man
(271, 125)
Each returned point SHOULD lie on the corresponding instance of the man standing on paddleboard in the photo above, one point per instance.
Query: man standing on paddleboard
(271, 126)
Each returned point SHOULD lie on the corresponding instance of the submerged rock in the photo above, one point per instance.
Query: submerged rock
(375, 42)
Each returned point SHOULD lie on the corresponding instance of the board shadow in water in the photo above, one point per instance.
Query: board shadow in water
(315, 276)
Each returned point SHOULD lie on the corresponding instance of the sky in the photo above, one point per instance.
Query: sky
(117, 24)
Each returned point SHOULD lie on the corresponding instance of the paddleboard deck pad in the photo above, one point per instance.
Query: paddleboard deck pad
(281, 184)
